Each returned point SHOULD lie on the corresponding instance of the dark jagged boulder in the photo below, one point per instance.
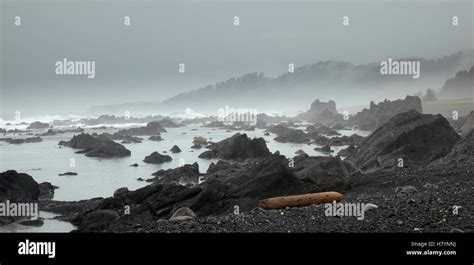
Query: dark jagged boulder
(18, 187)
(157, 158)
(175, 149)
(185, 174)
(155, 138)
(325, 173)
(152, 128)
(468, 125)
(462, 152)
(46, 190)
(167, 123)
(96, 147)
(38, 125)
(321, 129)
(414, 137)
(347, 152)
(324, 112)
(25, 140)
(290, 135)
(239, 146)
(48, 133)
(379, 114)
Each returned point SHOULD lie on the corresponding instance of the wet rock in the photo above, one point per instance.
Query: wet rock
(38, 125)
(185, 174)
(152, 128)
(175, 149)
(155, 138)
(96, 147)
(68, 174)
(157, 158)
(378, 114)
(46, 191)
(414, 137)
(239, 146)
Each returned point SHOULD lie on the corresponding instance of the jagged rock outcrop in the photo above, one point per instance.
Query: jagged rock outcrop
(152, 128)
(462, 152)
(414, 137)
(239, 146)
(38, 125)
(157, 158)
(379, 114)
(96, 146)
(181, 175)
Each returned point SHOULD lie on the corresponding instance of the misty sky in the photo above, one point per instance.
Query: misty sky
(140, 62)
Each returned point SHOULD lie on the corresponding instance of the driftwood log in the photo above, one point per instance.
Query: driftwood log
(300, 200)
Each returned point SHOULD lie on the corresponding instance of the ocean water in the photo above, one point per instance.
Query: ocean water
(100, 177)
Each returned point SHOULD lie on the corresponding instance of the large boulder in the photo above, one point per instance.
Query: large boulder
(38, 125)
(468, 125)
(290, 135)
(157, 158)
(414, 137)
(96, 146)
(152, 128)
(324, 112)
(461, 153)
(379, 114)
(185, 174)
(239, 146)
(325, 173)
(19, 187)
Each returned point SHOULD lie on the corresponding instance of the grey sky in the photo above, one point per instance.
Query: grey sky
(140, 62)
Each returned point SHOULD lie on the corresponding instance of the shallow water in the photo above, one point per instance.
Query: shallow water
(100, 177)
(50, 225)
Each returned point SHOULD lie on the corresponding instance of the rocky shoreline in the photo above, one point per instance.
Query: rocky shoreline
(414, 170)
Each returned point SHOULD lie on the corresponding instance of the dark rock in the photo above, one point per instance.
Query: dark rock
(289, 135)
(18, 187)
(324, 149)
(48, 133)
(321, 129)
(325, 173)
(348, 151)
(68, 174)
(98, 220)
(377, 115)
(152, 128)
(239, 146)
(134, 165)
(155, 138)
(175, 149)
(468, 125)
(96, 147)
(46, 191)
(38, 125)
(414, 137)
(25, 140)
(462, 152)
(120, 192)
(321, 112)
(167, 123)
(27, 222)
(185, 174)
(157, 158)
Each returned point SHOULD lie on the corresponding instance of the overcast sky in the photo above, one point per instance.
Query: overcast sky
(140, 62)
